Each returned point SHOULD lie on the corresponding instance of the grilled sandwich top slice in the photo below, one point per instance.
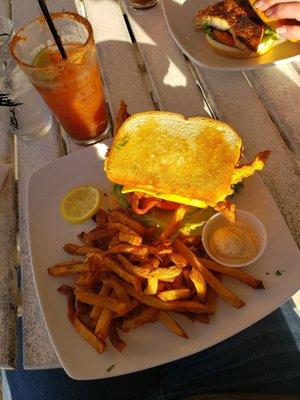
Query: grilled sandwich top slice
(190, 161)
(238, 18)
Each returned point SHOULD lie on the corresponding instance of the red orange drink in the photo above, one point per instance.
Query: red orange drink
(72, 87)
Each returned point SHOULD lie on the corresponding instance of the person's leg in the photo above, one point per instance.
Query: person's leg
(56, 385)
(264, 358)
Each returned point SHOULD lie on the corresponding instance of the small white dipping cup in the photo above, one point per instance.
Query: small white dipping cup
(218, 221)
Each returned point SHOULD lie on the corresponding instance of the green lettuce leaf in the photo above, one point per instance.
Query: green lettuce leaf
(269, 34)
(121, 197)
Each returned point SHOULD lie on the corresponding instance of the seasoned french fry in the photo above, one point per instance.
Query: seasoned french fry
(133, 309)
(178, 259)
(88, 322)
(188, 282)
(161, 285)
(81, 309)
(85, 239)
(127, 248)
(191, 240)
(106, 302)
(153, 262)
(101, 218)
(101, 233)
(171, 324)
(152, 286)
(128, 221)
(159, 250)
(147, 315)
(66, 290)
(89, 336)
(163, 274)
(81, 280)
(178, 282)
(118, 288)
(131, 239)
(174, 294)
(118, 270)
(77, 267)
(114, 337)
(121, 257)
(96, 311)
(237, 273)
(124, 229)
(210, 279)
(174, 224)
(204, 318)
(211, 299)
(74, 249)
(91, 278)
(103, 323)
(199, 283)
(175, 305)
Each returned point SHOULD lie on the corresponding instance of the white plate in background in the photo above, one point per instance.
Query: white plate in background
(179, 16)
(151, 344)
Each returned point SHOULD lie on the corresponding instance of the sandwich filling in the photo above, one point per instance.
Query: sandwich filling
(235, 24)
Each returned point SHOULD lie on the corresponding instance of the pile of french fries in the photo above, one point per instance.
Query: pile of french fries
(128, 276)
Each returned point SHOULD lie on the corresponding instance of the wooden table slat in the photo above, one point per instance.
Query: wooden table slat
(272, 85)
(121, 74)
(5, 8)
(8, 249)
(174, 87)
(234, 101)
(37, 348)
(38, 351)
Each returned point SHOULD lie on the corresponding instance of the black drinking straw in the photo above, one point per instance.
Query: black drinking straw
(52, 28)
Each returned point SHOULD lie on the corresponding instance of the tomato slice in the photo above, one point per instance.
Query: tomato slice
(167, 205)
(141, 204)
(224, 37)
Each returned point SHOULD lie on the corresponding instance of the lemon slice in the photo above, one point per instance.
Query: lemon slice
(80, 204)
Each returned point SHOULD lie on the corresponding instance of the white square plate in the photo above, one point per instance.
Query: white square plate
(179, 15)
(152, 344)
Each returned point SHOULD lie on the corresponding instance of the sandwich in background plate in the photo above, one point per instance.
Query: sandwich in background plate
(234, 28)
(162, 160)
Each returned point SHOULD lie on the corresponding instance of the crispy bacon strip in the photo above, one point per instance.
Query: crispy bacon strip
(227, 209)
(121, 117)
(243, 171)
(141, 204)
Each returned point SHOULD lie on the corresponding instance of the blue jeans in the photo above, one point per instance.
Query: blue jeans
(262, 359)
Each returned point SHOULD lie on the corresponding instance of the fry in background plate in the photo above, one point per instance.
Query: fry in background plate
(210, 279)
(147, 315)
(68, 268)
(237, 273)
(83, 331)
(171, 324)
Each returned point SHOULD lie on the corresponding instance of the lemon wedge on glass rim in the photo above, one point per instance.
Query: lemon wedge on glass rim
(80, 204)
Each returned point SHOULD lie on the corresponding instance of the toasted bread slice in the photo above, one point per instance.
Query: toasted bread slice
(190, 161)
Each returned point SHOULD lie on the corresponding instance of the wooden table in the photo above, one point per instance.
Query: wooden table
(143, 66)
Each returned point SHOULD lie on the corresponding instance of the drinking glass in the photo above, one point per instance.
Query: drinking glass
(22, 112)
(71, 87)
(6, 32)
(142, 4)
